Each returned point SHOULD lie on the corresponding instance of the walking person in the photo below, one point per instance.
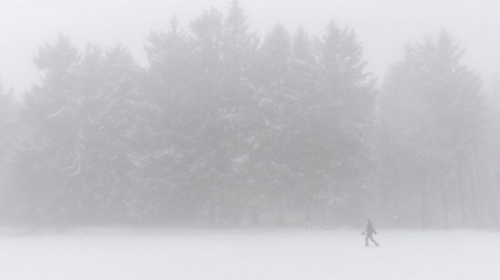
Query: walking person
(370, 230)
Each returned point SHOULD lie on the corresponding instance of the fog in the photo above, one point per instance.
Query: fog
(383, 27)
(250, 114)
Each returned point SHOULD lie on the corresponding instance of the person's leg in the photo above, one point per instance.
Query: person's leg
(373, 240)
(367, 236)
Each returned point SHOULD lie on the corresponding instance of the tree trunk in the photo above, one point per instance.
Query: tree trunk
(308, 216)
(323, 215)
(255, 218)
(461, 194)
(445, 205)
(423, 207)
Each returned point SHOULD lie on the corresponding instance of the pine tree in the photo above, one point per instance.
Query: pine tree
(224, 51)
(274, 104)
(432, 106)
(346, 94)
(171, 82)
(304, 89)
(8, 122)
(50, 156)
(11, 131)
(80, 162)
(116, 125)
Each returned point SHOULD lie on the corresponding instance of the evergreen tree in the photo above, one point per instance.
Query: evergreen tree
(171, 82)
(304, 89)
(275, 125)
(78, 164)
(8, 123)
(116, 128)
(11, 131)
(51, 156)
(223, 48)
(346, 97)
(432, 106)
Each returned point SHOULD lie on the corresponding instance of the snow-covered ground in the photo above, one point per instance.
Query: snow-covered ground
(255, 255)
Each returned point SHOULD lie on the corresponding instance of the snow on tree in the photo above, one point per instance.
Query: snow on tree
(85, 118)
(346, 98)
(432, 110)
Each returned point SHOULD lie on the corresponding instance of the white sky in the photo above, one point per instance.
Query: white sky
(383, 26)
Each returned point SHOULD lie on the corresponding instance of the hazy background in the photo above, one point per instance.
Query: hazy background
(382, 26)
(210, 124)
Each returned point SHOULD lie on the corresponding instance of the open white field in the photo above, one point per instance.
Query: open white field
(252, 255)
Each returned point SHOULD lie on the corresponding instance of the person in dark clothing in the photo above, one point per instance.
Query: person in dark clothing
(370, 230)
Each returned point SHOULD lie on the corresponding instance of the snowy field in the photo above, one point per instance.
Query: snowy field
(252, 255)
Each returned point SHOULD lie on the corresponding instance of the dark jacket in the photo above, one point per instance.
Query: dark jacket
(369, 229)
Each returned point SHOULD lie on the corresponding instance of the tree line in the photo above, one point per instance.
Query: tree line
(224, 127)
